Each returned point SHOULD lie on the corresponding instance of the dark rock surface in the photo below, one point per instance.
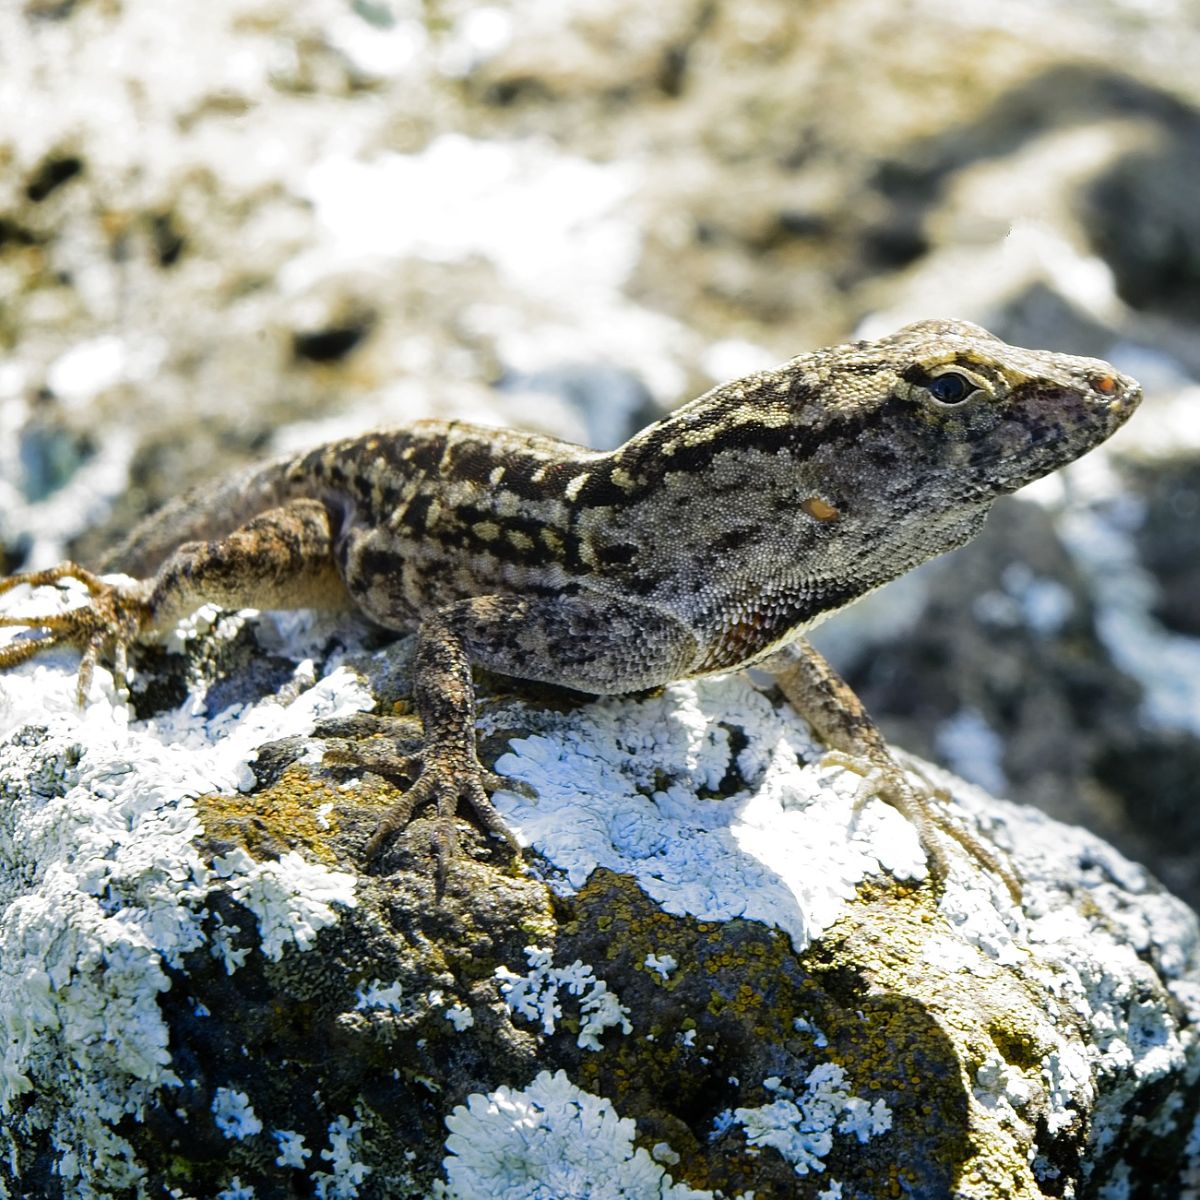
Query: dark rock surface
(709, 978)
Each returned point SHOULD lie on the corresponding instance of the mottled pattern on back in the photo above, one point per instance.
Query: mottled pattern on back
(748, 515)
(440, 512)
(710, 540)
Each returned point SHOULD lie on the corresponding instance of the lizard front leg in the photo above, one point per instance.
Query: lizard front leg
(855, 742)
(593, 644)
(449, 770)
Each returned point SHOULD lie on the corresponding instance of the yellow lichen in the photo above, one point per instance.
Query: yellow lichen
(286, 814)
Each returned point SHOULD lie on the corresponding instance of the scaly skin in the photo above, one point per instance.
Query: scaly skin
(711, 540)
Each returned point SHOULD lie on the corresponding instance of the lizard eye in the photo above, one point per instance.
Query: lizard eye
(951, 388)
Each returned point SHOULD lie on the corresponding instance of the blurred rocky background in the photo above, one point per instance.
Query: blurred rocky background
(235, 227)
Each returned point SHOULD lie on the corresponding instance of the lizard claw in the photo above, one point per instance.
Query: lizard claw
(104, 627)
(444, 780)
(445, 784)
(885, 779)
(501, 783)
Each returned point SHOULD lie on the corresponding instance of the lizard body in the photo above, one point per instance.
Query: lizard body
(711, 540)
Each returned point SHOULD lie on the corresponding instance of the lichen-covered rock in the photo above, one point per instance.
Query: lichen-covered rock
(709, 977)
(230, 228)
(234, 227)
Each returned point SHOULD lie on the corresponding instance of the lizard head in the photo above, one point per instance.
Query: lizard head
(825, 477)
(983, 418)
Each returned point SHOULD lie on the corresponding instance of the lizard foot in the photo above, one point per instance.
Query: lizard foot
(924, 805)
(444, 780)
(105, 627)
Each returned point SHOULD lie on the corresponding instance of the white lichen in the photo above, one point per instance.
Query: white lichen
(637, 778)
(800, 1126)
(460, 1017)
(292, 1152)
(378, 994)
(1114, 960)
(803, 1025)
(547, 1141)
(536, 997)
(221, 944)
(291, 897)
(234, 1114)
(999, 1084)
(348, 1172)
(103, 891)
(663, 964)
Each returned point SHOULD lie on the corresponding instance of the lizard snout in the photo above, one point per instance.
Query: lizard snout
(1119, 394)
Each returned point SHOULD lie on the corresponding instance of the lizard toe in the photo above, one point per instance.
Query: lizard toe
(379, 758)
(488, 815)
(444, 783)
(102, 628)
(923, 805)
(394, 820)
(501, 783)
(23, 649)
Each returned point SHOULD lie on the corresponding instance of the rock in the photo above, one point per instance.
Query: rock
(260, 225)
(265, 225)
(710, 977)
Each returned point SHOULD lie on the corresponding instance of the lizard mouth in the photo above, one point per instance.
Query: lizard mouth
(1063, 435)
(1108, 402)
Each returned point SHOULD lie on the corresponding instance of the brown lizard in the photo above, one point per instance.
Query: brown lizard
(709, 541)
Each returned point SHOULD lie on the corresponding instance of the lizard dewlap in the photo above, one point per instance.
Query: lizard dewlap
(711, 540)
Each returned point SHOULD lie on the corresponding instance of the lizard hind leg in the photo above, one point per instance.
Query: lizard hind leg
(106, 625)
(282, 558)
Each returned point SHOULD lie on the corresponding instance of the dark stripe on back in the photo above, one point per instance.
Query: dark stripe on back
(471, 460)
(647, 463)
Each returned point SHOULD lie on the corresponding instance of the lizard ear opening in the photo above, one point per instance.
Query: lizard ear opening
(819, 510)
